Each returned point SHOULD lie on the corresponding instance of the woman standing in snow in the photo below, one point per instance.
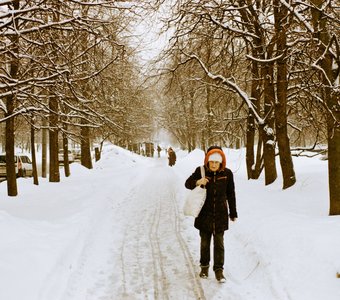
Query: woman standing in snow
(219, 206)
(171, 157)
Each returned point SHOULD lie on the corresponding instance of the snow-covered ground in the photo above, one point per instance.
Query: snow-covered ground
(118, 232)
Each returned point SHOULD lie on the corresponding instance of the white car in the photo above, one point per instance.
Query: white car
(61, 156)
(23, 165)
(76, 154)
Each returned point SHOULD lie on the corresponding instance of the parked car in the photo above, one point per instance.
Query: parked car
(23, 165)
(61, 156)
(76, 154)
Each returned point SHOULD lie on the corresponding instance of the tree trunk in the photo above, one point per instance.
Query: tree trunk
(193, 136)
(65, 153)
(191, 129)
(187, 130)
(12, 189)
(250, 158)
(65, 147)
(3, 136)
(267, 129)
(86, 160)
(251, 128)
(54, 175)
(287, 167)
(259, 165)
(333, 130)
(34, 161)
(44, 149)
(333, 115)
(210, 137)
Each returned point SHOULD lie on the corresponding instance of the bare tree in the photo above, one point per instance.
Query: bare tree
(328, 63)
(291, 84)
(280, 20)
(40, 48)
(13, 53)
(194, 17)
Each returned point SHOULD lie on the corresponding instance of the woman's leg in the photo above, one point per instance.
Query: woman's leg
(205, 248)
(218, 251)
(205, 253)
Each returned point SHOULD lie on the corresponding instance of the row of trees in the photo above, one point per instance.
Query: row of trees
(242, 72)
(67, 69)
(248, 72)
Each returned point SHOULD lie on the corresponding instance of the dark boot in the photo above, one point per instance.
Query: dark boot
(219, 275)
(204, 271)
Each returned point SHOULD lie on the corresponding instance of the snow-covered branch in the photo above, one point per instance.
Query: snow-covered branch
(231, 84)
(300, 17)
(266, 61)
(21, 111)
(232, 29)
(317, 63)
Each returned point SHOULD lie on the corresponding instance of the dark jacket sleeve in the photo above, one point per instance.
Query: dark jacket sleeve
(190, 183)
(231, 195)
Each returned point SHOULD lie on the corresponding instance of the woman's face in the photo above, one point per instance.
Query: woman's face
(214, 165)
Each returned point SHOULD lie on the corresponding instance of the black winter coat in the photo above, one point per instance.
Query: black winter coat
(220, 202)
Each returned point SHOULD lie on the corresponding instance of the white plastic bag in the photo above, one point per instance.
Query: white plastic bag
(195, 199)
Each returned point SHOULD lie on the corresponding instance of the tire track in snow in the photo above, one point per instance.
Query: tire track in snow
(149, 259)
(197, 287)
(143, 231)
(155, 258)
(169, 188)
(160, 283)
(125, 256)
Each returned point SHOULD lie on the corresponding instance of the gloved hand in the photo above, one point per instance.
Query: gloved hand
(202, 181)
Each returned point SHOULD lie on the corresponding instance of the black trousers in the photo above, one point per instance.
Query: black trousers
(218, 249)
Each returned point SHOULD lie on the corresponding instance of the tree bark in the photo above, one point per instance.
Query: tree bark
(86, 160)
(12, 189)
(34, 161)
(331, 97)
(54, 174)
(192, 130)
(65, 153)
(210, 137)
(263, 51)
(44, 149)
(250, 157)
(251, 128)
(259, 165)
(267, 129)
(333, 130)
(286, 162)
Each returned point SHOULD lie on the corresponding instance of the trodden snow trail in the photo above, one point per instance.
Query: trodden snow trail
(136, 250)
(155, 260)
(143, 247)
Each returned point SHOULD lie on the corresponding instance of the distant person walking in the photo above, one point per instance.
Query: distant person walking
(219, 206)
(159, 149)
(171, 157)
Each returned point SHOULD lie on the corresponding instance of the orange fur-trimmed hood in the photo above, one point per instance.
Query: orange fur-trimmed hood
(212, 150)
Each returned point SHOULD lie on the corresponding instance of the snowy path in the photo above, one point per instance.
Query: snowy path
(154, 255)
(144, 248)
(139, 253)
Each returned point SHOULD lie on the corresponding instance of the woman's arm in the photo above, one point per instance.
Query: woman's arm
(190, 183)
(231, 197)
